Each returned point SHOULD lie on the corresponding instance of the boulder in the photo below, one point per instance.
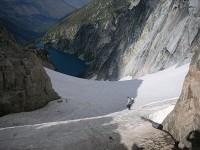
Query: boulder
(24, 84)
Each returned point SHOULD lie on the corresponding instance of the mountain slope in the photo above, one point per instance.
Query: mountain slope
(29, 19)
(121, 38)
(87, 98)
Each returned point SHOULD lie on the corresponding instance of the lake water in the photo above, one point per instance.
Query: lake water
(65, 63)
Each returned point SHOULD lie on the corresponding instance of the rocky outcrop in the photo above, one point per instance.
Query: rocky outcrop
(43, 56)
(24, 84)
(184, 121)
(130, 37)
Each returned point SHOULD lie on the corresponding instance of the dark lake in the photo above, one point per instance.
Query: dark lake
(65, 63)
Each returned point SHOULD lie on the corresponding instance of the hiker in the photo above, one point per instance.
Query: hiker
(129, 103)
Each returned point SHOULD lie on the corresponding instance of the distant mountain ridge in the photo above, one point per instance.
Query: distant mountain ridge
(28, 19)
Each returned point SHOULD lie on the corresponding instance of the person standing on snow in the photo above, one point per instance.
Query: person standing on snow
(129, 103)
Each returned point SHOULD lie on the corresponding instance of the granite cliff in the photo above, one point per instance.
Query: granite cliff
(130, 37)
(183, 123)
(24, 84)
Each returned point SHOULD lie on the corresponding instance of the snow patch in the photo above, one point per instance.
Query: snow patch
(133, 3)
(126, 78)
(81, 57)
(93, 78)
(88, 98)
(160, 115)
(91, 109)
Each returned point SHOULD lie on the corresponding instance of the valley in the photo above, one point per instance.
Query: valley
(67, 68)
(28, 20)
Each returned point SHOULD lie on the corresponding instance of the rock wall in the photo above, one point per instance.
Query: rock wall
(130, 37)
(24, 84)
(169, 37)
(184, 121)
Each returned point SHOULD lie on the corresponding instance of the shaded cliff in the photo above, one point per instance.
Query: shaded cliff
(184, 121)
(24, 84)
(130, 37)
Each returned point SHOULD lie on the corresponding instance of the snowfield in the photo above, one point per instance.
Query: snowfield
(91, 111)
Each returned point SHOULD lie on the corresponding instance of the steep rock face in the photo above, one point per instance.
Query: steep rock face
(184, 121)
(24, 84)
(130, 37)
(99, 32)
(169, 37)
